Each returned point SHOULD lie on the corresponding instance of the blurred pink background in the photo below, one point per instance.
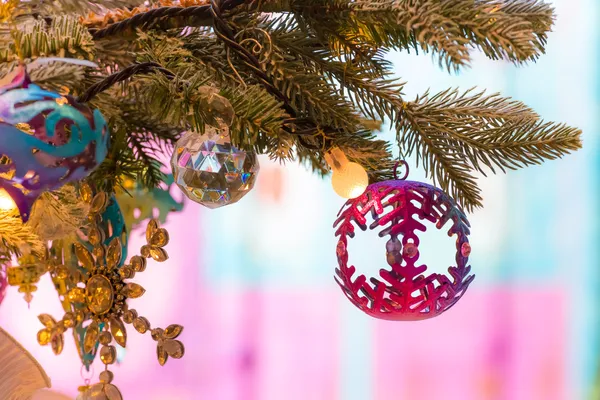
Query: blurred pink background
(251, 338)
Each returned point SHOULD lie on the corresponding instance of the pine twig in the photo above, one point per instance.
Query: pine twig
(454, 135)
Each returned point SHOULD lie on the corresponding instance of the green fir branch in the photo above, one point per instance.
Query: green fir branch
(323, 80)
(57, 76)
(151, 175)
(514, 30)
(455, 134)
(82, 7)
(65, 37)
(121, 163)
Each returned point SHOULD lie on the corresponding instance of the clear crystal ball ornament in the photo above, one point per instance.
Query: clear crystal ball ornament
(210, 170)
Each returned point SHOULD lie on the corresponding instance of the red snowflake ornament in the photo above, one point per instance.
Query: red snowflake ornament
(403, 292)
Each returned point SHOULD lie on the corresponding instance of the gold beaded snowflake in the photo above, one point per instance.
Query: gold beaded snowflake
(101, 296)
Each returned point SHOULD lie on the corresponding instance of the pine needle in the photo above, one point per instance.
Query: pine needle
(59, 214)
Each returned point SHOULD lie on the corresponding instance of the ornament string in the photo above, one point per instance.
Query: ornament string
(87, 378)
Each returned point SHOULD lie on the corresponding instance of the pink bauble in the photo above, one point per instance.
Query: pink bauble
(403, 292)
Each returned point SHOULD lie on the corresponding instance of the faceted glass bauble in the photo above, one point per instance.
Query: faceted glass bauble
(212, 172)
(100, 294)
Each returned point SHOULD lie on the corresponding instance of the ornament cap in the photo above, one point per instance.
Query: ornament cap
(336, 159)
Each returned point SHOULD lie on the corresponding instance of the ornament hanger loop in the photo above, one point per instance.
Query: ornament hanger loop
(405, 165)
(90, 373)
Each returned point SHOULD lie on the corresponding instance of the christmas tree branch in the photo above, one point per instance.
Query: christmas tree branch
(45, 7)
(380, 98)
(315, 67)
(121, 163)
(64, 37)
(55, 215)
(59, 214)
(16, 237)
(456, 134)
(56, 75)
(303, 76)
(151, 175)
(153, 16)
(257, 114)
(515, 30)
(120, 76)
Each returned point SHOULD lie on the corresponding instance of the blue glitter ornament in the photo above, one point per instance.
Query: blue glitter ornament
(46, 140)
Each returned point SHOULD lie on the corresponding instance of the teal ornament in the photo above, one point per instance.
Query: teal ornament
(87, 359)
(113, 226)
(139, 204)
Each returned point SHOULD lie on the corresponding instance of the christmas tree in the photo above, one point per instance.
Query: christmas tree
(302, 76)
(298, 80)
